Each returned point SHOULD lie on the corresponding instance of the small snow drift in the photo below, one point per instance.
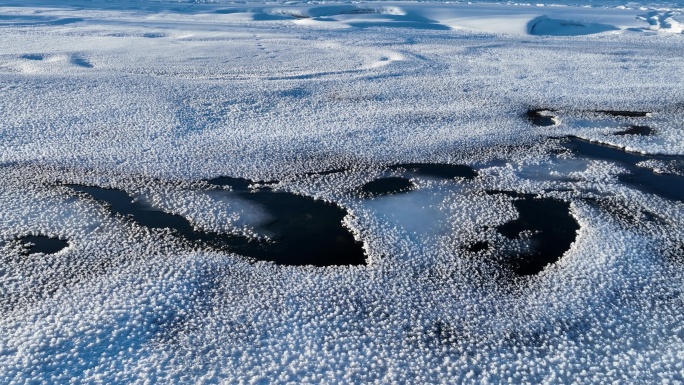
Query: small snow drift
(28, 21)
(663, 21)
(544, 26)
(35, 57)
(81, 62)
(370, 16)
(344, 9)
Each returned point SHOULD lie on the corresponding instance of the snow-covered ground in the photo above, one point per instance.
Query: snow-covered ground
(155, 97)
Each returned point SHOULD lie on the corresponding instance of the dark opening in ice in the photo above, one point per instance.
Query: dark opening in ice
(239, 184)
(536, 117)
(478, 246)
(304, 231)
(326, 172)
(43, 244)
(627, 114)
(549, 227)
(438, 170)
(668, 186)
(386, 186)
(636, 130)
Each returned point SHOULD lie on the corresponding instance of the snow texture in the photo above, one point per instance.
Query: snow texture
(156, 97)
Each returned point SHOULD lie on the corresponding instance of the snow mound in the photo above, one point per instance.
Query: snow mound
(365, 9)
(544, 25)
(663, 21)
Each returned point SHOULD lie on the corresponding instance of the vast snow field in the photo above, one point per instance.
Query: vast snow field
(509, 180)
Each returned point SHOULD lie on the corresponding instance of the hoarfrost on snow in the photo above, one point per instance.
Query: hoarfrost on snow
(482, 112)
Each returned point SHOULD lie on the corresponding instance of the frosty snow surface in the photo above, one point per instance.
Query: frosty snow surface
(577, 106)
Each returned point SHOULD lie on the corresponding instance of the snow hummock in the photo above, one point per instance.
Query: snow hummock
(664, 21)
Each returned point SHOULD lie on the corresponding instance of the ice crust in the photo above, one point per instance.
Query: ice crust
(154, 98)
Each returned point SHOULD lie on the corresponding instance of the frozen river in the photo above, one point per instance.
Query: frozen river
(380, 192)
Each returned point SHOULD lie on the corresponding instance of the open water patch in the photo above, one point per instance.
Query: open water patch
(545, 224)
(541, 117)
(305, 231)
(34, 244)
(478, 246)
(544, 117)
(636, 130)
(387, 186)
(326, 172)
(624, 114)
(239, 184)
(438, 170)
(669, 186)
(120, 202)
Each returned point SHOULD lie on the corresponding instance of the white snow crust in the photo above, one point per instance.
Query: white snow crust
(154, 97)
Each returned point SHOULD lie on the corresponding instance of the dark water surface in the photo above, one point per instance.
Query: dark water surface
(438, 170)
(309, 232)
(387, 186)
(626, 114)
(43, 244)
(552, 227)
(541, 117)
(478, 246)
(535, 117)
(668, 186)
(636, 130)
(304, 231)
